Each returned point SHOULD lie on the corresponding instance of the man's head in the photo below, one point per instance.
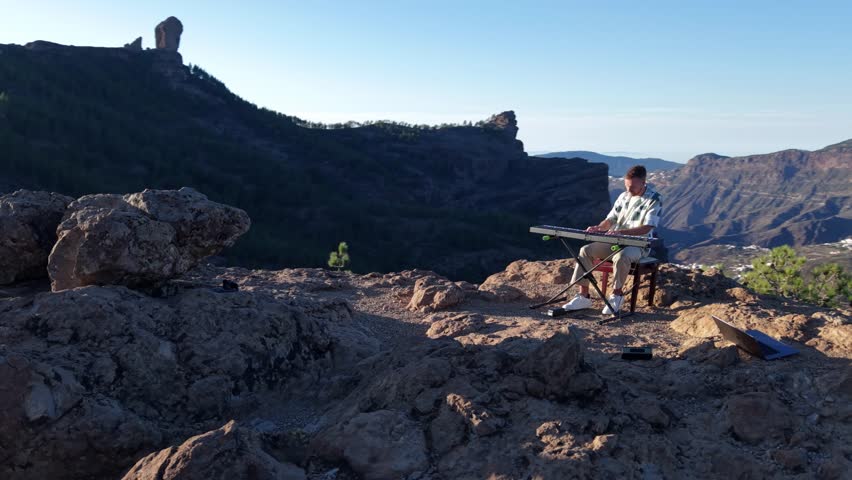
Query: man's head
(634, 180)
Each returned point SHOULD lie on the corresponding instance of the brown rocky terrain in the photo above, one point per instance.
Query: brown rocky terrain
(411, 375)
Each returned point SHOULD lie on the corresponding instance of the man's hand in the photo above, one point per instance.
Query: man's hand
(600, 228)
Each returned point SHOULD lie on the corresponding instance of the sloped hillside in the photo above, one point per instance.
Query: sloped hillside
(459, 199)
(792, 197)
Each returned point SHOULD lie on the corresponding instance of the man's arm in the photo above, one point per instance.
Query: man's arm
(638, 231)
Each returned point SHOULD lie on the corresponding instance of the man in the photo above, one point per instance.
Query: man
(635, 212)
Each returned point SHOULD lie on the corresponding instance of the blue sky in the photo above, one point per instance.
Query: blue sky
(651, 78)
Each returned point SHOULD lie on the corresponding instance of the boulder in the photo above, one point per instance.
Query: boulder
(556, 369)
(377, 445)
(456, 325)
(757, 417)
(501, 293)
(141, 239)
(697, 322)
(435, 293)
(28, 223)
(168, 34)
(222, 454)
(551, 272)
(480, 421)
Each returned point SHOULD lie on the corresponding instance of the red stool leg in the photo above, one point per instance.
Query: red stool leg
(653, 288)
(634, 292)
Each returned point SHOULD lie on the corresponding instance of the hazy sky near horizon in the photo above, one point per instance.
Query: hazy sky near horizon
(669, 79)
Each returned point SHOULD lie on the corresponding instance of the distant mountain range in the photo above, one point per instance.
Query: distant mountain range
(793, 197)
(618, 166)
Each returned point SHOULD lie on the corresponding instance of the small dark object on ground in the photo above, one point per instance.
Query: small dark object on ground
(557, 312)
(636, 353)
(230, 286)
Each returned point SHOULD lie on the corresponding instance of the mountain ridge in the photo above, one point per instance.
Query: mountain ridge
(618, 165)
(792, 196)
(81, 120)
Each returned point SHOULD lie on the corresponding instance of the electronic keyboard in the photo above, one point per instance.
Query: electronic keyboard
(565, 232)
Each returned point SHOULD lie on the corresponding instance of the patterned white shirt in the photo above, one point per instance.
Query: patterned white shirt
(631, 212)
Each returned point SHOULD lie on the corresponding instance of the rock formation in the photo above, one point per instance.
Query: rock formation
(167, 34)
(28, 223)
(140, 239)
(504, 121)
(435, 293)
(226, 453)
(135, 45)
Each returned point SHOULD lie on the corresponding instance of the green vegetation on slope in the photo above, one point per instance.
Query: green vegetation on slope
(780, 273)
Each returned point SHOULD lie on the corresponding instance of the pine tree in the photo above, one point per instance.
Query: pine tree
(340, 258)
(777, 273)
(829, 284)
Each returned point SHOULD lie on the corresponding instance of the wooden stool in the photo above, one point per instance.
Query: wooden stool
(645, 265)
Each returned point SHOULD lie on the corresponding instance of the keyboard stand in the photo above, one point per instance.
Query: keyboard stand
(589, 275)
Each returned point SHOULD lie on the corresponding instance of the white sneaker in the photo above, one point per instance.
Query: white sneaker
(615, 301)
(579, 302)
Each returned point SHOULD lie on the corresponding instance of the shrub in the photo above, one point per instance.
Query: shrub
(829, 285)
(779, 273)
(340, 258)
